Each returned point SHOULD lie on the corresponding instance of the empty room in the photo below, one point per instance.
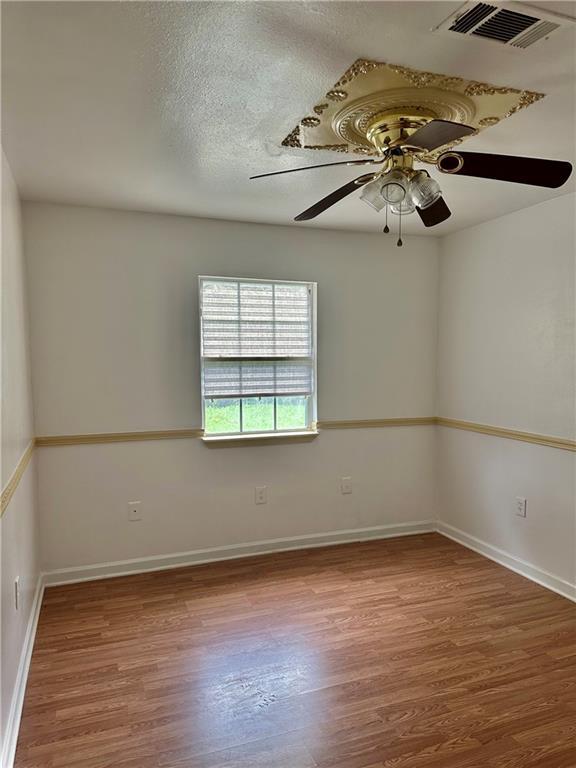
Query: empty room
(288, 383)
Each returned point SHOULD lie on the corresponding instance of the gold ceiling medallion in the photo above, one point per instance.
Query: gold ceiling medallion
(337, 95)
(398, 99)
(486, 121)
(293, 138)
(310, 122)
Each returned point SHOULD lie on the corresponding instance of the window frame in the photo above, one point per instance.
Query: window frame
(311, 400)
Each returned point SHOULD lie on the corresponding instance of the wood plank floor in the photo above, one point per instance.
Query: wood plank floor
(405, 653)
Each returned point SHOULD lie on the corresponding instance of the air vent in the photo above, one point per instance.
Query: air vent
(510, 24)
(472, 18)
(504, 25)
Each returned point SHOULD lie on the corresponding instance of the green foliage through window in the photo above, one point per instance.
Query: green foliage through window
(255, 414)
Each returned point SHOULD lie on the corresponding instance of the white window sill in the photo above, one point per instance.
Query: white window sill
(261, 437)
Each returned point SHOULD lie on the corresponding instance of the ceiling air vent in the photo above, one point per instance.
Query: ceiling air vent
(511, 24)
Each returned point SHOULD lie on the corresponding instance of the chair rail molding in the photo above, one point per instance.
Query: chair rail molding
(550, 441)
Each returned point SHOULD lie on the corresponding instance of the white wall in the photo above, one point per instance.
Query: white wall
(18, 526)
(506, 357)
(113, 299)
(115, 348)
(197, 497)
(17, 424)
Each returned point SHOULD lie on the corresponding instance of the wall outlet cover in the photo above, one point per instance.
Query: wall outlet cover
(520, 506)
(261, 494)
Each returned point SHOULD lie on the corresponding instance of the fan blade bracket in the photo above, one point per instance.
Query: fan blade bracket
(452, 162)
(361, 180)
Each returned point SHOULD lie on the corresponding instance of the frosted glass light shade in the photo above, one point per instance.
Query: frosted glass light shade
(394, 187)
(372, 194)
(405, 207)
(424, 190)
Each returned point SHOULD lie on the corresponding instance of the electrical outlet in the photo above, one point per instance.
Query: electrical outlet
(17, 592)
(261, 494)
(134, 511)
(520, 506)
(346, 484)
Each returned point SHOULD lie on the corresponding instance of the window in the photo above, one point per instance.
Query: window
(258, 348)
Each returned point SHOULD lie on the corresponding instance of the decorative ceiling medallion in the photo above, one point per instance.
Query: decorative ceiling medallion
(337, 95)
(486, 121)
(310, 122)
(373, 88)
(350, 123)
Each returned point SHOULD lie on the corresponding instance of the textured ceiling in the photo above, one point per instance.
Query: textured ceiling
(167, 106)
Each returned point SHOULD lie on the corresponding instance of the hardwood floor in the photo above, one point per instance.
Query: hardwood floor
(405, 653)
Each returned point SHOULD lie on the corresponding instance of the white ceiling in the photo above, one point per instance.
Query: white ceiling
(168, 106)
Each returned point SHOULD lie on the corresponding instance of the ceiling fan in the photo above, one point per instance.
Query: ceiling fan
(402, 139)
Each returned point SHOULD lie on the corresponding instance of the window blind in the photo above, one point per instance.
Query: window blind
(256, 338)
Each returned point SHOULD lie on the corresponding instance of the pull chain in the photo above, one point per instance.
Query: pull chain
(399, 242)
(386, 228)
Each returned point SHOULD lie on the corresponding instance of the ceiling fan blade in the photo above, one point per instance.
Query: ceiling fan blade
(522, 170)
(322, 165)
(437, 133)
(334, 197)
(435, 213)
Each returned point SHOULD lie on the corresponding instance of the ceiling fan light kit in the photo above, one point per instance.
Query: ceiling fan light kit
(372, 195)
(395, 187)
(403, 208)
(395, 116)
(425, 190)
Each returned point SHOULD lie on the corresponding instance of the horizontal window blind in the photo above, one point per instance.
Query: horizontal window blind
(257, 379)
(256, 338)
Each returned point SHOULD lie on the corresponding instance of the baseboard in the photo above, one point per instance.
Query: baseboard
(13, 722)
(513, 563)
(313, 540)
(233, 551)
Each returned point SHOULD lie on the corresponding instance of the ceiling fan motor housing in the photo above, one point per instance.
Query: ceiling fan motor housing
(392, 130)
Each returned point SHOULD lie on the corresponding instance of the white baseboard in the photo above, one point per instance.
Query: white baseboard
(513, 563)
(233, 551)
(313, 540)
(13, 722)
